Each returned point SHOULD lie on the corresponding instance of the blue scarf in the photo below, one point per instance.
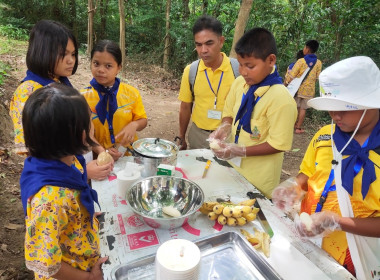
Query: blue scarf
(109, 98)
(310, 59)
(246, 107)
(39, 172)
(357, 158)
(30, 76)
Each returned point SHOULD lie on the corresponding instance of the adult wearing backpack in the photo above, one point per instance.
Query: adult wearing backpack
(205, 85)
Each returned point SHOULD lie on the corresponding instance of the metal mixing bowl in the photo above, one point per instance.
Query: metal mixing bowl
(148, 196)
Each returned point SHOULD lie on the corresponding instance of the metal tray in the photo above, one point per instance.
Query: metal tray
(225, 256)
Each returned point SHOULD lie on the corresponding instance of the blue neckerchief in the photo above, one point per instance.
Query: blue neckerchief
(310, 59)
(291, 65)
(246, 107)
(38, 173)
(30, 76)
(108, 97)
(357, 155)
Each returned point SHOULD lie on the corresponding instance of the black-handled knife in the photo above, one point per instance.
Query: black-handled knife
(263, 220)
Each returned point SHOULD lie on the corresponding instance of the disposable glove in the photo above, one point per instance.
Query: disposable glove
(323, 223)
(287, 194)
(222, 133)
(228, 151)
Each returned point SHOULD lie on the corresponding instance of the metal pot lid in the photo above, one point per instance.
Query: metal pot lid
(155, 147)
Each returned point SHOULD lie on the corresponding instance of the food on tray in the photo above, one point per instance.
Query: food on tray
(214, 145)
(104, 158)
(228, 213)
(260, 240)
(171, 211)
(306, 220)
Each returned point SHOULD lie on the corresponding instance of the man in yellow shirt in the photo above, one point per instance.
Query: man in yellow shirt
(306, 90)
(203, 100)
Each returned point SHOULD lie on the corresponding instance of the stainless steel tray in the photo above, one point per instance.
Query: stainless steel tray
(225, 256)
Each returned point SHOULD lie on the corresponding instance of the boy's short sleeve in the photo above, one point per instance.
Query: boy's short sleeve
(185, 94)
(138, 109)
(307, 166)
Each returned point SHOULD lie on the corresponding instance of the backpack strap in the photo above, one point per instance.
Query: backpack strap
(194, 70)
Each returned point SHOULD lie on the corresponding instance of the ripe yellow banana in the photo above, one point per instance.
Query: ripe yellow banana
(227, 212)
(231, 221)
(218, 209)
(222, 220)
(212, 216)
(249, 217)
(237, 212)
(248, 202)
(209, 205)
(241, 221)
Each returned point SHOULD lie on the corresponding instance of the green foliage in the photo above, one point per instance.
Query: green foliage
(4, 69)
(13, 32)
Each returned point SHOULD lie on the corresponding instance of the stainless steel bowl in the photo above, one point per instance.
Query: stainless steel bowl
(148, 196)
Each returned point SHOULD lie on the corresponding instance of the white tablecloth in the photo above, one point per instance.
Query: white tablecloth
(125, 237)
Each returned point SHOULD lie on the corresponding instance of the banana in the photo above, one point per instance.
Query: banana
(249, 217)
(218, 209)
(212, 216)
(255, 210)
(245, 209)
(248, 202)
(236, 212)
(227, 212)
(231, 221)
(204, 211)
(209, 205)
(241, 221)
(222, 220)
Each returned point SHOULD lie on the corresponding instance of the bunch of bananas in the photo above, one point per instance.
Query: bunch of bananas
(227, 213)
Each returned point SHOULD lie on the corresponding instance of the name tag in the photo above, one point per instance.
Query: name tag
(214, 114)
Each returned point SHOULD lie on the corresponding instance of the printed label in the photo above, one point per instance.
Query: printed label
(142, 239)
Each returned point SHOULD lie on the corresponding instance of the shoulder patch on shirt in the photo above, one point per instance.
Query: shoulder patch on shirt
(323, 137)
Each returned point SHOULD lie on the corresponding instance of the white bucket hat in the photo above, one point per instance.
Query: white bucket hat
(350, 84)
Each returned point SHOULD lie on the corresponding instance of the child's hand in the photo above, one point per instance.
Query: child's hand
(96, 172)
(96, 272)
(114, 153)
(287, 194)
(221, 133)
(228, 151)
(323, 223)
(127, 134)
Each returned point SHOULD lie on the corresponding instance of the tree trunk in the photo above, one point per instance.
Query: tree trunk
(186, 10)
(204, 7)
(103, 18)
(73, 17)
(90, 26)
(167, 36)
(241, 23)
(122, 34)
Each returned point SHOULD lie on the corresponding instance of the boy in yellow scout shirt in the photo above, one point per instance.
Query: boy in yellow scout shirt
(306, 90)
(259, 113)
(340, 170)
(212, 83)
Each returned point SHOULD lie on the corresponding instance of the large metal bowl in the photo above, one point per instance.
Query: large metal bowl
(148, 196)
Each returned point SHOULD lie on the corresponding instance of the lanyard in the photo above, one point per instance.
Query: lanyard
(328, 187)
(239, 125)
(209, 84)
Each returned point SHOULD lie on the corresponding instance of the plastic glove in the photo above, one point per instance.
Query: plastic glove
(287, 194)
(323, 223)
(222, 133)
(227, 151)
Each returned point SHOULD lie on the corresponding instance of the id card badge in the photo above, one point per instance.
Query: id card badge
(236, 161)
(214, 114)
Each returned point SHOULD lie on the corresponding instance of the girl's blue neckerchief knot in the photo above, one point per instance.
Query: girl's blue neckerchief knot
(108, 98)
(358, 158)
(246, 107)
(30, 76)
(38, 173)
(310, 59)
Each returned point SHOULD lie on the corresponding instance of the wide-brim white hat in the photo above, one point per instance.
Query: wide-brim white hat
(350, 84)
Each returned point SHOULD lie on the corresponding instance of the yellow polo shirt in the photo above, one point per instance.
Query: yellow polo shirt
(129, 108)
(272, 121)
(204, 98)
(316, 164)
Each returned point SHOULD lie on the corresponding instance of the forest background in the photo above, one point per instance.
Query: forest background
(158, 43)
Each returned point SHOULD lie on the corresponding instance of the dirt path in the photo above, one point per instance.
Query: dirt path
(159, 93)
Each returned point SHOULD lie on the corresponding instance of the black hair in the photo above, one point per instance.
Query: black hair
(54, 118)
(300, 54)
(208, 23)
(47, 43)
(110, 47)
(313, 45)
(257, 42)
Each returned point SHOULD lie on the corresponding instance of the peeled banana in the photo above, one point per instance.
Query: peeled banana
(260, 240)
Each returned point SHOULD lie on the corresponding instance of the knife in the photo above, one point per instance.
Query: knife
(261, 216)
(206, 168)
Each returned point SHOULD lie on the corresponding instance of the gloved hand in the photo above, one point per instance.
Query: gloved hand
(287, 194)
(323, 223)
(228, 151)
(222, 133)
